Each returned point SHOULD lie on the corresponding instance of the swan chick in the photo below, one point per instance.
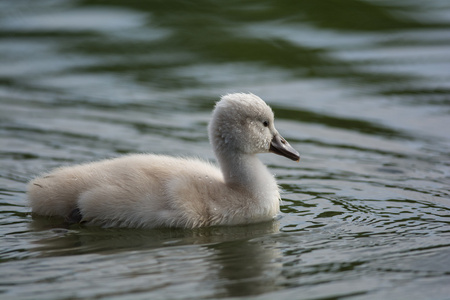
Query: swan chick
(149, 190)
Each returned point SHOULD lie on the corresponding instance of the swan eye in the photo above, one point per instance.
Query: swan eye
(265, 123)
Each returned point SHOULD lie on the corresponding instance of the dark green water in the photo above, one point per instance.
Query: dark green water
(360, 88)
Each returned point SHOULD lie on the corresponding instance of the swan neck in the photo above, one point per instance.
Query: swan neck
(242, 170)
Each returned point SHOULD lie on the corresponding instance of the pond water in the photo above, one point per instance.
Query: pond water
(360, 88)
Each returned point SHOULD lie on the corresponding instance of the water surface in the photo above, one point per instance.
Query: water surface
(360, 88)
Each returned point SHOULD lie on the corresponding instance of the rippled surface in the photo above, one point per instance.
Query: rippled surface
(360, 88)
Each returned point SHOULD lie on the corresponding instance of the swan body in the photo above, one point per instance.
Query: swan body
(148, 191)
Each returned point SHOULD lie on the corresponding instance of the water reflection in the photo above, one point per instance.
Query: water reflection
(62, 239)
(241, 260)
(247, 268)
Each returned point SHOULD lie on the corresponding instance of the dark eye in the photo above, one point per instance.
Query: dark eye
(266, 123)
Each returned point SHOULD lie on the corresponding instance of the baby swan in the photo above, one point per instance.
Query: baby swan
(148, 191)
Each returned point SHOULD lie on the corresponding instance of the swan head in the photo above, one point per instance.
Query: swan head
(244, 123)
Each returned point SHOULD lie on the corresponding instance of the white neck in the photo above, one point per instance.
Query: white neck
(246, 171)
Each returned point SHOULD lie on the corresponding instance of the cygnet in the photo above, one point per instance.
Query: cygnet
(149, 191)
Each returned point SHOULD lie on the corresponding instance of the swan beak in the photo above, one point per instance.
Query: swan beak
(280, 146)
